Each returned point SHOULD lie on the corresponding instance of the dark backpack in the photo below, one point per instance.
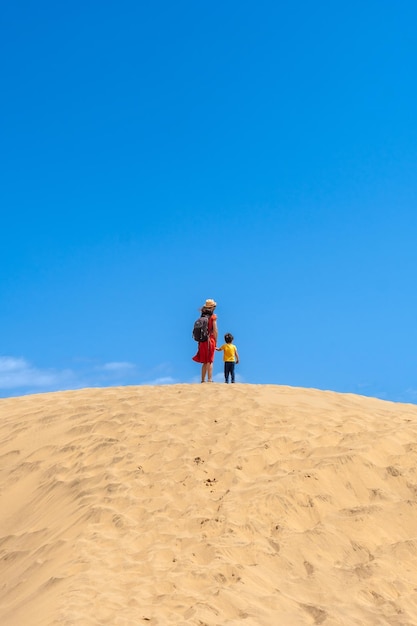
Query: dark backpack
(201, 330)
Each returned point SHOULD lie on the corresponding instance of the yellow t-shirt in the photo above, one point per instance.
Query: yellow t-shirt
(229, 352)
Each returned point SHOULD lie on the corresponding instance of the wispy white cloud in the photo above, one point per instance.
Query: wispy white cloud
(18, 373)
(163, 380)
(10, 364)
(391, 393)
(117, 366)
(19, 376)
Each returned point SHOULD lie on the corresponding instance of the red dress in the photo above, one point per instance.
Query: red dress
(207, 349)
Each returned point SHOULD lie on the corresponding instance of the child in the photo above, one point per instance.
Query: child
(230, 357)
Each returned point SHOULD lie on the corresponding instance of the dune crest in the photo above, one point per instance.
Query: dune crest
(207, 505)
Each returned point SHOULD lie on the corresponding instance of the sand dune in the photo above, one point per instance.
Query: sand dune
(207, 505)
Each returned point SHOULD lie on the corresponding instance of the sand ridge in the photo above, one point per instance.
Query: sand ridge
(207, 505)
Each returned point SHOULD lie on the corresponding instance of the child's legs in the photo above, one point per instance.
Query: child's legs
(232, 371)
(228, 370)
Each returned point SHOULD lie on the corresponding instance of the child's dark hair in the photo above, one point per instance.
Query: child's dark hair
(228, 338)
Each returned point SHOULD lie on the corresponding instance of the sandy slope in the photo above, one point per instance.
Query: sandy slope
(207, 505)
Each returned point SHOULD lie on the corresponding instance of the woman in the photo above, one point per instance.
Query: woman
(206, 349)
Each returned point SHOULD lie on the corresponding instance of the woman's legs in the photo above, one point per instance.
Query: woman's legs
(207, 370)
(210, 372)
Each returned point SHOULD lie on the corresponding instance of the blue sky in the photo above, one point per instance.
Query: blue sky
(157, 154)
